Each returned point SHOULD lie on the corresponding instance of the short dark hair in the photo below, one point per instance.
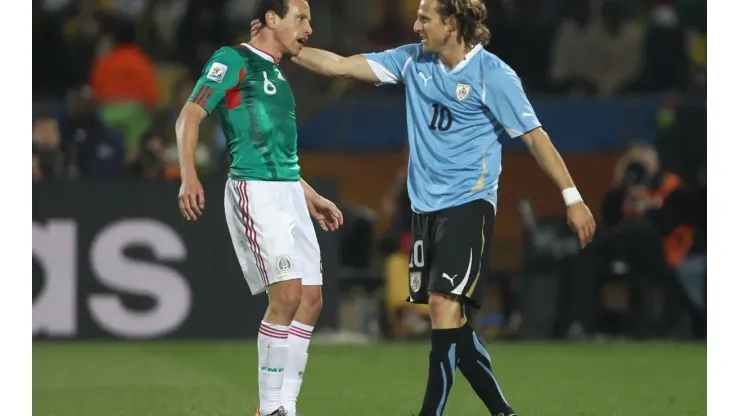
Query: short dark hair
(470, 16)
(261, 7)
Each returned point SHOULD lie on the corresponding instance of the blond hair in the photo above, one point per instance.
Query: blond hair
(470, 16)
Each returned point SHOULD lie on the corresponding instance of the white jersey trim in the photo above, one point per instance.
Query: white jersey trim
(462, 64)
(384, 75)
(261, 54)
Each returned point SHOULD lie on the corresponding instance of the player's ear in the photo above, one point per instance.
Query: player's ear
(271, 19)
(451, 24)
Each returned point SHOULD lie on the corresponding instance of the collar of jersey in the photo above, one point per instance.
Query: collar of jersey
(264, 55)
(460, 65)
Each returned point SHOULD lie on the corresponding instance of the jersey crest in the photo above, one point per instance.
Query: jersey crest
(462, 91)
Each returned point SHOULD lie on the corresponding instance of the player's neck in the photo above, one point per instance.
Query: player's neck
(267, 44)
(453, 53)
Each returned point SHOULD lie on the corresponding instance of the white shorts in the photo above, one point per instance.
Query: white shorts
(272, 233)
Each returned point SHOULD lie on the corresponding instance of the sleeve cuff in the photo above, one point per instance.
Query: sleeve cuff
(384, 75)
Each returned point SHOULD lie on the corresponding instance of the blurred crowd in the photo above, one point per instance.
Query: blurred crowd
(110, 76)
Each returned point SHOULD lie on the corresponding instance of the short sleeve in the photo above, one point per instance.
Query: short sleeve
(220, 74)
(390, 65)
(504, 96)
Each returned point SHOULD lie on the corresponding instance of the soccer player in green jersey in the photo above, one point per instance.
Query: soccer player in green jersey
(268, 206)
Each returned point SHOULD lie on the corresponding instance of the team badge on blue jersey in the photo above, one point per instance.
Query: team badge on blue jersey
(462, 91)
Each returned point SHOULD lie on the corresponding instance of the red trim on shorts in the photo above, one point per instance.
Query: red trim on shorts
(254, 237)
(249, 230)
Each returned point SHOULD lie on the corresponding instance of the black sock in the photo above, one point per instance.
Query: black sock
(475, 364)
(442, 368)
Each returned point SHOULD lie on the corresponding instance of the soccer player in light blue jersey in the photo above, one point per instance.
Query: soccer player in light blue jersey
(462, 102)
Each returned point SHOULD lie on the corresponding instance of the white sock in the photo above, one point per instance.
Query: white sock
(272, 343)
(298, 339)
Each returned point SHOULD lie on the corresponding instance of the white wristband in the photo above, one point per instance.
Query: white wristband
(571, 196)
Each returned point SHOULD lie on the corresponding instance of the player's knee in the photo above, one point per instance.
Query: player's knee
(312, 300)
(445, 310)
(285, 300)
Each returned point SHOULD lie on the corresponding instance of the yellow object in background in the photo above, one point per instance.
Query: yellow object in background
(698, 49)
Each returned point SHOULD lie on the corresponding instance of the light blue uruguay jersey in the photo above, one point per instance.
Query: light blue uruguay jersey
(456, 121)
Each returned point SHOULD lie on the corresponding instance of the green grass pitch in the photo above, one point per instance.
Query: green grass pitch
(219, 379)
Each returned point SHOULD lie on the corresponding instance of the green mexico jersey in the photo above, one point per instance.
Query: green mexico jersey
(256, 107)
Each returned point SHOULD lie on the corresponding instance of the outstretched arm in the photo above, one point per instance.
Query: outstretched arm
(332, 65)
(328, 63)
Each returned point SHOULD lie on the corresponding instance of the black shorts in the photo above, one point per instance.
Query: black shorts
(451, 252)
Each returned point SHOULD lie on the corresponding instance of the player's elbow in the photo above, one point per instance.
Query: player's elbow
(191, 113)
(181, 122)
(338, 68)
(189, 118)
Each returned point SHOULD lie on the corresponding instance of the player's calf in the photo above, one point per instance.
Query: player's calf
(455, 344)
(272, 341)
(299, 337)
(310, 306)
(475, 364)
(446, 314)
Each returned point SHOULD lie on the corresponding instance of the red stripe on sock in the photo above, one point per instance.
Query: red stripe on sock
(271, 334)
(299, 335)
(300, 331)
(274, 331)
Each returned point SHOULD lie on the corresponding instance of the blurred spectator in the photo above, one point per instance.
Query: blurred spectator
(201, 33)
(650, 224)
(83, 35)
(397, 206)
(693, 270)
(36, 166)
(682, 142)
(127, 8)
(392, 28)
(405, 319)
(571, 57)
(151, 162)
(125, 74)
(163, 22)
(165, 118)
(665, 50)
(527, 41)
(211, 140)
(50, 74)
(697, 47)
(48, 158)
(93, 149)
(616, 50)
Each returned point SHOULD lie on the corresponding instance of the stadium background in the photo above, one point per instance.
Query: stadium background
(113, 260)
